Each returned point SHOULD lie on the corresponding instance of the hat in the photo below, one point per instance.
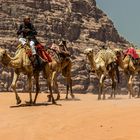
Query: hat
(26, 17)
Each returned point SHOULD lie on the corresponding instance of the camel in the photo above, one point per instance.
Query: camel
(103, 63)
(126, 63)
(21, 64)
(60, 66)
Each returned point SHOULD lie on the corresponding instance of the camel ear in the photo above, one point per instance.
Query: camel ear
(4, 51)
(91, 51)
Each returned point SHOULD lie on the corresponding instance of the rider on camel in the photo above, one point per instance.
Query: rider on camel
(61, 50)
(27, 32)
(64, 53)
(132, 52)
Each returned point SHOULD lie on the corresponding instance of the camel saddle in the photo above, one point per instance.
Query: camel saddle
(42, 53)
(135, 55)
(58, 56)
(132, 52)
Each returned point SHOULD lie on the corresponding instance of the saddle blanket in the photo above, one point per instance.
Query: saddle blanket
(131, 51)
(41, 52)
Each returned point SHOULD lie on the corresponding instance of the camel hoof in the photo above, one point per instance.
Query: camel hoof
(133, 95)
(72, 96)
(49, 98)
(66, 98)
(58, 97)
(110, 97)
(29, 102)
(18, 101)
(54, 102)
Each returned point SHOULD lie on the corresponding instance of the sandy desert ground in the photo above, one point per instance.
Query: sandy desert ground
(82, 119)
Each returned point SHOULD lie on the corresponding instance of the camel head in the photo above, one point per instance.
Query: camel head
(2, 53)
(119, 53)
(88, 52)
(90, 56)
(4, 57)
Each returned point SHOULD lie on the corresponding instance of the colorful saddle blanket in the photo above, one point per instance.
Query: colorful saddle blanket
(41, 51)
(131, 51)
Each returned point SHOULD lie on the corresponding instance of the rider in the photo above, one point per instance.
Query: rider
(64, 53)
(132, 52)
(27, 32)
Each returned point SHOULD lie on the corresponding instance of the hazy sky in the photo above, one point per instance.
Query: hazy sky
(126, 17)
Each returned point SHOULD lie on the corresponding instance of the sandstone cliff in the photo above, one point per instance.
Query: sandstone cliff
(80, 22)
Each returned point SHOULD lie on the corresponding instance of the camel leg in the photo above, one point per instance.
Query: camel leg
(56, 89)
(113, 88)
(113, 93)
(130, 83)
(13, 86)
(71, 92)
(66, 72)
(50, 89)
(36, 76)
(101, 87)
(139, 86)
(127, 78)
(55, 85)
(30, 88)
(69, 86)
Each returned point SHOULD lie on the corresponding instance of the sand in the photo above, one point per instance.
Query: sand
(82, 119)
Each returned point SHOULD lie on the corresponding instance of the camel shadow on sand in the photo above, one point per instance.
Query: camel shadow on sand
(34, 105)
(75, 99)
(43, 104)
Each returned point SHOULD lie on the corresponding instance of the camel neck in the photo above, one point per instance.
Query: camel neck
(7, 61)
(120, 62)
(91, 60)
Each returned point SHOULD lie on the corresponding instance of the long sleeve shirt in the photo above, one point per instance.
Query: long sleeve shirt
(27, 30)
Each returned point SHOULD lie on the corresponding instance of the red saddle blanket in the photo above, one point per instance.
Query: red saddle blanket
(131, 51)
(43, 53)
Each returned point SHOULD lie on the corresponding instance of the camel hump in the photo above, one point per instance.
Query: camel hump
(21, 58)
(106, 57)
(111, 56)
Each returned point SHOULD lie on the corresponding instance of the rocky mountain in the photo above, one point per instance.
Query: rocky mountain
(80, 22)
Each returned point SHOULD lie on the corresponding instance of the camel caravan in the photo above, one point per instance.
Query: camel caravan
(108, 61)
(22, 63)
(104, 62)
(31, 58)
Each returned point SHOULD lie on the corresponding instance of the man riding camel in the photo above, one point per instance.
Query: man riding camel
(27, 33)
(61, 49)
